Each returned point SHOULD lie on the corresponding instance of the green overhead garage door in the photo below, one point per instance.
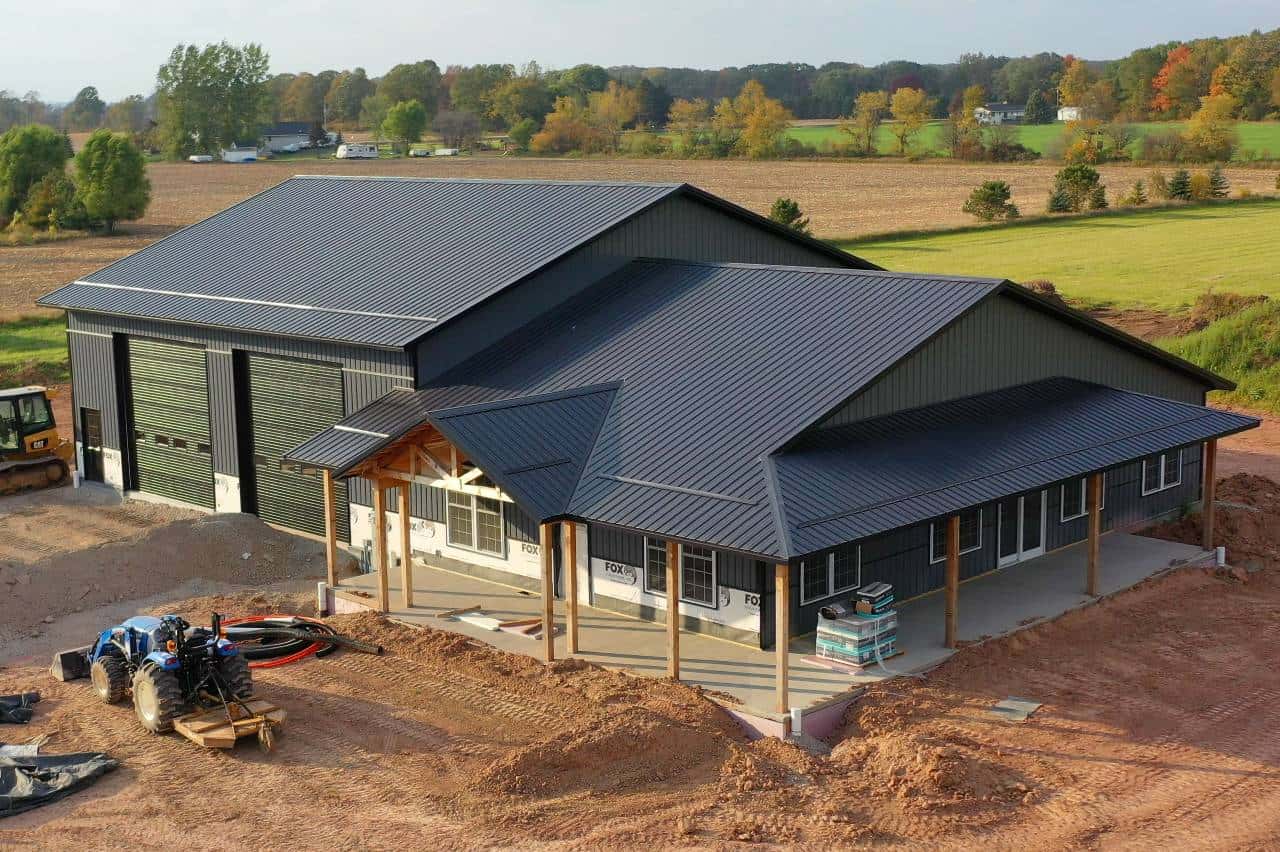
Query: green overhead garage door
(289, 402)
(169, 388)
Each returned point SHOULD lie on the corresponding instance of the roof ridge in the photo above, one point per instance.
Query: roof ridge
(495, 180)
(822, 270)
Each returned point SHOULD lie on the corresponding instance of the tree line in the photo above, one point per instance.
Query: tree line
(222, 94)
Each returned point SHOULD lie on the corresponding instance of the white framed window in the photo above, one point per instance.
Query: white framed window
(475, 523)
(970, 535)
(697, 571)
(830, 574)
(698, 575)
(1075, 498)
(655, 566)
(1161, 471)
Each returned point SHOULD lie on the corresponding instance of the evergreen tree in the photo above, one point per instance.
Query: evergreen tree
(1219, 186)
(991, 201)
(1180, 185)
(1059, 201)
(787, 212)
(1138, 197)
(1038, 110)
(1098, 198)
(1080, 184)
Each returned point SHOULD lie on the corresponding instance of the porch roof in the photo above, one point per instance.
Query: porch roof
(855, 481)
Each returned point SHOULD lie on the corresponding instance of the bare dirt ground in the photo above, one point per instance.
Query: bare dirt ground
(841, 198)
(1158, 728)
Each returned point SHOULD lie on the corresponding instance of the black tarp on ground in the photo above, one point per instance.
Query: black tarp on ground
(16, 709)
(28, 782)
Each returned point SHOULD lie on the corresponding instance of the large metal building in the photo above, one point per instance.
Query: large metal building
(739, 421)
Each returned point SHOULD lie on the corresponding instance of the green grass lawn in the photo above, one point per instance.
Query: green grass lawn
(1161, 258)
(33, 350)
(1259, 137)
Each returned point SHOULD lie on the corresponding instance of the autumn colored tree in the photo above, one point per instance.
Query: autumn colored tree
(972, 98)
(911, 109)
(687, 122)
(1211, 132)
(613, 109)
(861, 127)
(568, 128)
(1075, 82)
(752, 123)
(1172, 80)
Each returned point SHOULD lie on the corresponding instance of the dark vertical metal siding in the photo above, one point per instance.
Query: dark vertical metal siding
(93, 380)
(1001, 343)
(520, 526)
(733, 570)
(368, 374)
(685, 229)
(678, 228)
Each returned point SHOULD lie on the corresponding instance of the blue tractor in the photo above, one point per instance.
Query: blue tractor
(167, 666)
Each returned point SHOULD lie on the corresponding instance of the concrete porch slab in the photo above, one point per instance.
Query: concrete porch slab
(991, 605)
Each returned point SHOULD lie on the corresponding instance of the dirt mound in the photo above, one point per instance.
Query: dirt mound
(221, 548)
(767, 764)
(616, 751)
(911, 765)
(1248, 521)
(1210, 307)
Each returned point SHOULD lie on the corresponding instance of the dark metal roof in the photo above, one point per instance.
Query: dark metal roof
(719, 365)
(536, 446)
(847, 483)
(288, 128)
(378, 261)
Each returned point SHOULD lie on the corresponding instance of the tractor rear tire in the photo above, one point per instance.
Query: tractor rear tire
(157, 698)
(110, 678)
(237, 675)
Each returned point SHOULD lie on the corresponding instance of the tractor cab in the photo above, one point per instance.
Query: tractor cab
(26, 422)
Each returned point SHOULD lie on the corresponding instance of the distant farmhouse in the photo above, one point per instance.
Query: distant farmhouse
(1069, 113)
(1001, 113)
(280, 136)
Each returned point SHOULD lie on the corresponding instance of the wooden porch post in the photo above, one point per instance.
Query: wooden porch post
(953, 579)
(380, 541)
(406, 548)
(330, 529)
(569, 533)
(548, 594)
(1093, 503)
(782, 633)
(1209, 492)
(673, 610)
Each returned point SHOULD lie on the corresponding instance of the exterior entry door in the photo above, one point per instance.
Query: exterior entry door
(1021, 527)
(91, 443)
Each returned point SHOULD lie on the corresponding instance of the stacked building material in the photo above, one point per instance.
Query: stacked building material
(861, 637)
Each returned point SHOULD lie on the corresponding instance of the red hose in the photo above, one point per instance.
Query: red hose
(278, 661)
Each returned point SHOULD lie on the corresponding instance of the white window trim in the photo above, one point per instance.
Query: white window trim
(474, 547)
(831, 590)
(1084, 499)
(1164, 485)
(943, 558)
(644, 568)
(715, 581)
(662, 593)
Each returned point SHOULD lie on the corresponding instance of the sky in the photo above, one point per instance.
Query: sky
(55, 47)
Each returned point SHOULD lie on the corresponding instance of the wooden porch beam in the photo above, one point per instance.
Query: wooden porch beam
(782, 635)
(953, 580)
(1093, 504)
(380, 541)
(1209, 491)
(548, 594)
(569, 537)
(406, 547)
(673, 610)
(330, 529)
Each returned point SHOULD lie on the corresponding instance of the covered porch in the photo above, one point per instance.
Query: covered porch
(744, 678)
